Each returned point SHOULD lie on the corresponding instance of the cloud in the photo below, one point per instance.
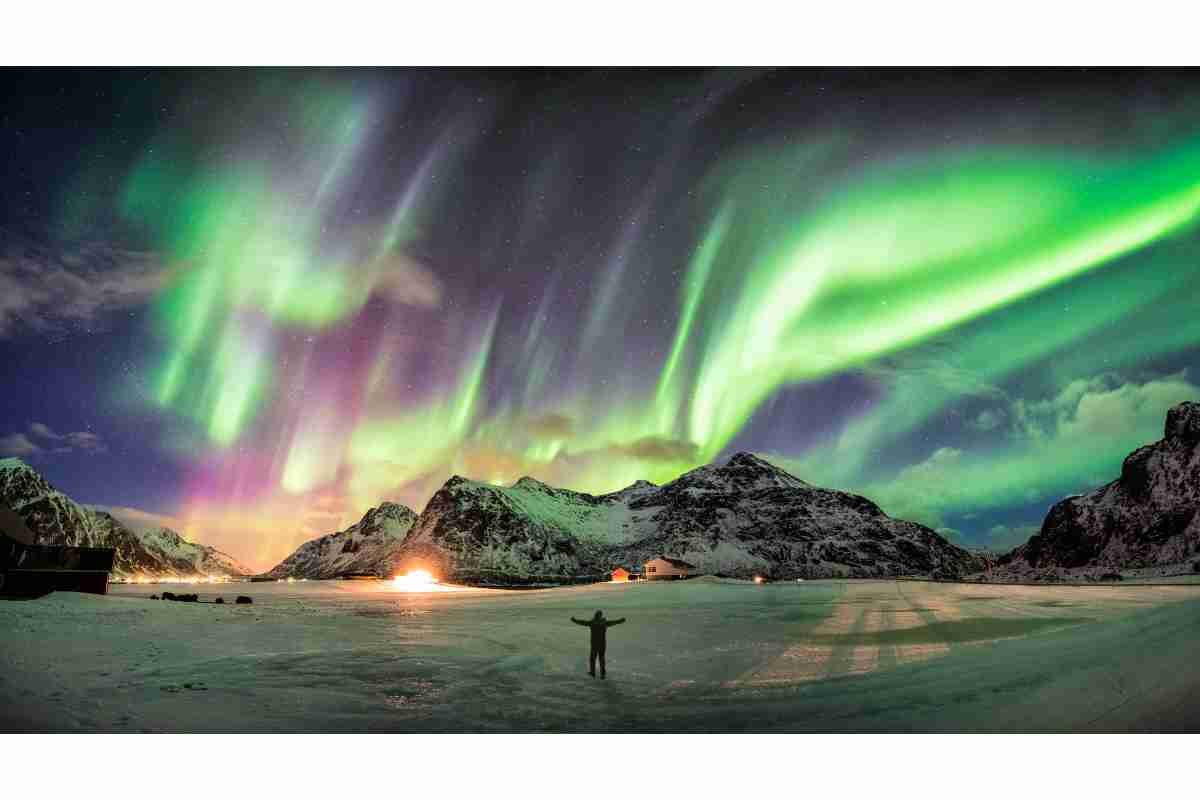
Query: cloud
(654, 448)
(42, 289)
(988, 420)
(1103, 407)
(18, 444)
(44, 431)
(263, 532)
(403, 280)
(926, 490)
(550, 426)
(997, 539)
(86, 441)
(1002, 538)
(1072, 441)
(952, 535)
(138, 520)
(47, 440)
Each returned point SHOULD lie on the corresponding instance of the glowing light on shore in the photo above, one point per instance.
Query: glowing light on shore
(417, 580)
(420, 580)
(148, 579)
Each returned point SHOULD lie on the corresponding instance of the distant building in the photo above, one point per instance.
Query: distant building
(663, 568)
(28, 569)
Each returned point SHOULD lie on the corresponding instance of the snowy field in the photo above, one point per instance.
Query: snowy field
(701, 655)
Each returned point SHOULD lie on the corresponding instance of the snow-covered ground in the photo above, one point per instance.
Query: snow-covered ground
(695, 655)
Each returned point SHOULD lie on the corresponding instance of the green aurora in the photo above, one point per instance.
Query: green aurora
(934, 277)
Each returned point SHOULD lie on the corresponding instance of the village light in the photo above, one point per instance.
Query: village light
(759, 579)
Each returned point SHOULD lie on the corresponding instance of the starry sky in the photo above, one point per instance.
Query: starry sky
(251, 304)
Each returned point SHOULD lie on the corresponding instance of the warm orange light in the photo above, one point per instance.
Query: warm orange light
(758, 578)
(417, 580)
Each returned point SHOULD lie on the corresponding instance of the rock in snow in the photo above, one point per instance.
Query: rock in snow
(742, 518)
(1146, 518)
(56, 519)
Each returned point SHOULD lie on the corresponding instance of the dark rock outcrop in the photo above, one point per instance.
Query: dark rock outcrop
(364, 548)
(1149, 517)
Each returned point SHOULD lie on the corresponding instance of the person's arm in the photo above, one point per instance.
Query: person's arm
(578, 621)
(612, 622)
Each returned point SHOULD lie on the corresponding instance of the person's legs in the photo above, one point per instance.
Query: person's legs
(592, 663)
(601, 654)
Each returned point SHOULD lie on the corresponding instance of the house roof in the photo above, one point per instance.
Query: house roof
(675, 562)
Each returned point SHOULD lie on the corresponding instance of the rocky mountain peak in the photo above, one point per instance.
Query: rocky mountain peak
(394, 510)
(13, 463)
(456, 481)
(743, 472)
(1149, 517)
(1183, 423)
(747, 466)
(14, 472)
(387, 516)
(744, 460)
(633, 491)
(365, 547)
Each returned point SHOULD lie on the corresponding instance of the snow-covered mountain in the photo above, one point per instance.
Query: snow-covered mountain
(741, 518)
(171, 553)
(49, 514)
(364, 548)
(1148, 517)
(56, 519)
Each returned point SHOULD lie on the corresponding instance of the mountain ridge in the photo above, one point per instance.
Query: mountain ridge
(744, 517)
(55, 519)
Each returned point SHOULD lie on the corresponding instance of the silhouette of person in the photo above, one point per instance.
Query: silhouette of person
(599, 626)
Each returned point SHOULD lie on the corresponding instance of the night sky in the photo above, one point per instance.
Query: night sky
(252, 304)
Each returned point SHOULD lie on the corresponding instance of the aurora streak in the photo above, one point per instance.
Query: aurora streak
(368, 290)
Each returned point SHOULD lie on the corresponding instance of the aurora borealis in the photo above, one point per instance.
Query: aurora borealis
(281, 297)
